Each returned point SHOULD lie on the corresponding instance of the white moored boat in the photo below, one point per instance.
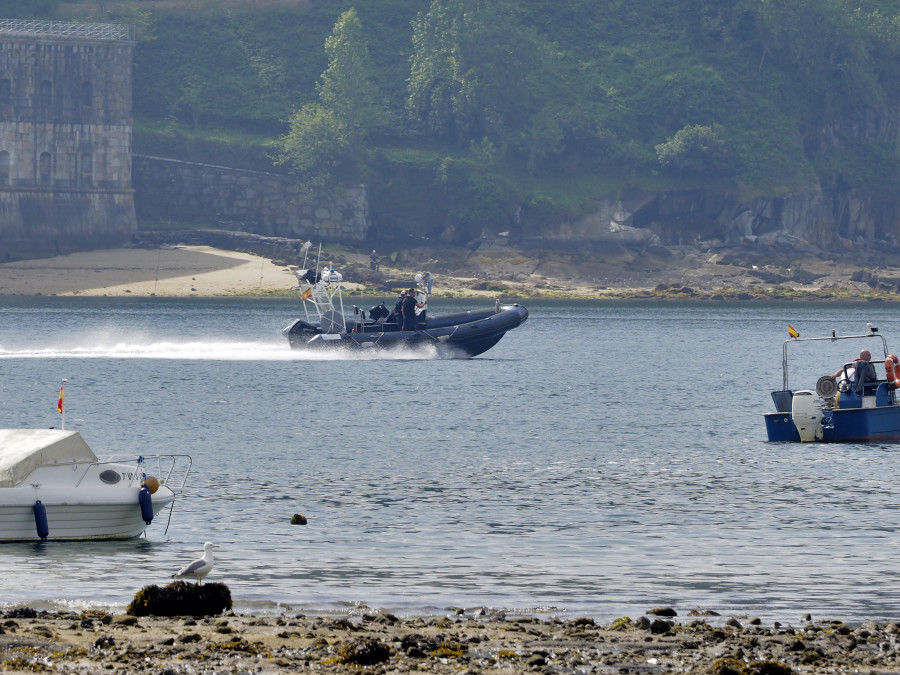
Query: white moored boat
(52, 486)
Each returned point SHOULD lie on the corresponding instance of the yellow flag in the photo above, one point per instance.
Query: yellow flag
(307, 294)
(793, 331)
(59, 402)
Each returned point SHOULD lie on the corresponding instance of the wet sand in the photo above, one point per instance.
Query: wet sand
(460, 642)
(181, 271)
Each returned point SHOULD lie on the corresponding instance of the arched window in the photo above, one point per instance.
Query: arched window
(46, 93)
(87, 94)
(5, 91)
(4, 168)
(45, 168)
(87, 169)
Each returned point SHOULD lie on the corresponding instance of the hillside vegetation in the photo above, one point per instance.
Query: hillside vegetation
(511, 114)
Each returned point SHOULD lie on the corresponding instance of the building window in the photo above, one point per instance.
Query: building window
(44, 168)
(87, 95)
(4, 168)
(46, 94)
(5, 91)
(87, 169)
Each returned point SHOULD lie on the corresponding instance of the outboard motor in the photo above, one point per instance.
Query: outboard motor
(806, 411)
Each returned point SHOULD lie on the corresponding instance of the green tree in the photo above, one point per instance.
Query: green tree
(328, 138)
(346, 86)
(478, 72)
(695, 148)
(314, 147)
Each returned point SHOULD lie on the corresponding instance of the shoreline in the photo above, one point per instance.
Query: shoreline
(380, 642)
(205, 271)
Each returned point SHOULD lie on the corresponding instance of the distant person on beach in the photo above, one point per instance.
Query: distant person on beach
(373, 261)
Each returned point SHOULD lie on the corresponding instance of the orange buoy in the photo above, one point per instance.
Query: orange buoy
(892, 371)
(152, 484)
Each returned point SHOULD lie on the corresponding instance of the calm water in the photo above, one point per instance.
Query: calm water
(603, 459)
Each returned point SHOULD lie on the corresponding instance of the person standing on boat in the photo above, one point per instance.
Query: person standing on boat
(862, 371)
(421, 308)
(396, 315)
(408, 310)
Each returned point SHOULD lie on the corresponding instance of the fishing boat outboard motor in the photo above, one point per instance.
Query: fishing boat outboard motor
(806, 412)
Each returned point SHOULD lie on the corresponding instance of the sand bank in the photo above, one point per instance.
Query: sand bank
(180, 271)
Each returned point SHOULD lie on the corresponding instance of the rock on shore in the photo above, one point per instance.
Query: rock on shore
(615, 267)
(461, 642)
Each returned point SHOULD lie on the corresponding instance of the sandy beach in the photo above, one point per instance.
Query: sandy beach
(458, 642)
(167, 272)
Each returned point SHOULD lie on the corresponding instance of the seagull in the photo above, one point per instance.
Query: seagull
(200, 567)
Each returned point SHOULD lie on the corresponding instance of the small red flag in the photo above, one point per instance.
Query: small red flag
(306, 294)
(59, 403)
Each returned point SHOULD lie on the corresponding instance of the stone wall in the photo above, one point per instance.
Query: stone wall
(65, 137)
(170, 191)
(37, 223)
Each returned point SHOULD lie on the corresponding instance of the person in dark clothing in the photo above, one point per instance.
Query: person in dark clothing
(396, 315)
(408, 309)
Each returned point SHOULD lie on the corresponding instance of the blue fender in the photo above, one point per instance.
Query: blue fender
(146, 502)
(40, 520)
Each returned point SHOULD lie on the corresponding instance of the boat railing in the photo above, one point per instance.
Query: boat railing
(872, 334)
(171, 470)
(320, 292)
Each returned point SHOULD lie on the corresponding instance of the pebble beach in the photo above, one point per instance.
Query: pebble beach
(459, 642)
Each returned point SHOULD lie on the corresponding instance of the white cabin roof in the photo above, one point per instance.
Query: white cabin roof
(24, 450)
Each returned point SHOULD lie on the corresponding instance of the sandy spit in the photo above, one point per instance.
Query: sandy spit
(179, 271)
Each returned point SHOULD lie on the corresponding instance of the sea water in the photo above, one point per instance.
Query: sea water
(603, 459)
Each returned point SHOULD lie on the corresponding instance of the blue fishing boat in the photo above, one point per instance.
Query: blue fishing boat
(325, 325)
(858, 403)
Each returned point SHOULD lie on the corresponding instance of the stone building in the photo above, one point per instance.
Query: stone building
(65, 137)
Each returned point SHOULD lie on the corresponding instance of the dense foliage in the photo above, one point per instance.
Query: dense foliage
(461, 112)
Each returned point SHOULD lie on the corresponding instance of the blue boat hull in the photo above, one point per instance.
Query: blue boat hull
(850, 425)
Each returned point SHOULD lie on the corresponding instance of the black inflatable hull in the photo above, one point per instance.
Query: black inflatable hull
(462, 335)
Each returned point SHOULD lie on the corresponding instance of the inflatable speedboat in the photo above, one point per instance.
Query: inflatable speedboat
(460, 335)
